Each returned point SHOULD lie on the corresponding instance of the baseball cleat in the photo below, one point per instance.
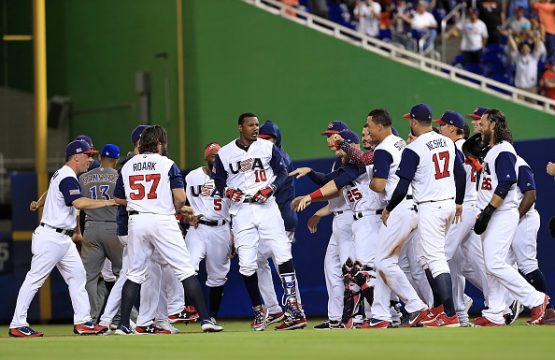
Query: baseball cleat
(166, 325)
(549, 317)
(150, 330)
(375, 324)
(483, 321)
(294, 316)
(444, 321)
(417, 317)
(124, 330)
(24, 331)
(292, 324)
(330, 325)
(433, 314)
(516, 308)
(274, 318)
(89, 328)
(187, 315)
(210, 325)
(538, 312)
(260, 318)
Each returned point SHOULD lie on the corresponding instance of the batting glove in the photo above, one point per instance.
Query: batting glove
(483, 219)
(475, 163)
(263, 194)
(234, 194)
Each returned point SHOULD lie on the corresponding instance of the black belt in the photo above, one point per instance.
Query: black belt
(250, 200)
(212, 222)
(133, 212)
(409, 197)
(60, 231)
(335, 213)
(360, 214)
(431, 201)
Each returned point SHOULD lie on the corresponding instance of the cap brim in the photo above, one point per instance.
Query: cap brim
(265, 136)
(406, 116)
(329, 132)
(439, 121)
(91, 151)
(474, 116)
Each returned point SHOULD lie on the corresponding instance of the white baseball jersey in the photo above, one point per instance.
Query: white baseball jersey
(525, 180)
(248, 170)
(338, 203)
(63, 190)
(204, 197)
(489, 178)
(430, 161)
(470, 193)
(148, 180)
(387, 156)
(359, 196)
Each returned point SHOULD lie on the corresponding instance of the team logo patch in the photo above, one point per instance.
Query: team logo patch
(207, 189)
(330, 125)
(246, 165)
(75, 192)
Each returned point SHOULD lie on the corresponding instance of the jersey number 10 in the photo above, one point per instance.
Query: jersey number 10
(437, 158)
(136, 184)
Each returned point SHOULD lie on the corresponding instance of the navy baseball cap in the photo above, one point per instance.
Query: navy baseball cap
(349, 136)
(451, 118)
(87, 139)
(478, 112)
(394, 131)
(136, 133)
(420, 112)
(335, 127)
(79, 147)
(110, 150)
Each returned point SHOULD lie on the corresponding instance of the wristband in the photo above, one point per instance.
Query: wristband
(316, 194)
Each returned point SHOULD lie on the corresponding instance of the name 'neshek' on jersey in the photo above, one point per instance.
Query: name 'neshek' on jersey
(203, 196)
(248, 170)
(146, 181)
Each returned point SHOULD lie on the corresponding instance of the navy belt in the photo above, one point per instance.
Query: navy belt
(133, 212)
(212, 222)
(432, 201)
(360, 214)
(58, 230)
(335, 213)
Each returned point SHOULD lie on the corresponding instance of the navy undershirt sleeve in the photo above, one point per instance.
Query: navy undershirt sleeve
(460, 177)
(382, 163)
(506, 173)
(346, 175)
(408, 165)
(399, 193)
(119, 191)
(176, 178)
(70, 189)
(279, 168)
(219, 175)
(526, 180)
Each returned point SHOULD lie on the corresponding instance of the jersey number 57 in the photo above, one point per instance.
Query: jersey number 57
(137, 183)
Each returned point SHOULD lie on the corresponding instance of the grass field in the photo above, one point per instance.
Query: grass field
(239, 342)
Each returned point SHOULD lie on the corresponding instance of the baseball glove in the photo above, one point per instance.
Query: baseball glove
(473, 147)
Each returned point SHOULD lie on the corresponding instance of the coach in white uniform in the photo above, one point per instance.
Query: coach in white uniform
(498, 221)
(52, 244)
(151, 185)
(248, 171)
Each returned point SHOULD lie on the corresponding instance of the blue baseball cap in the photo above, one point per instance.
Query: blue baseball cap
(394, 131)
(349, 136)
(136, 133)
(110, 150)
(79, 147)
(420, 112)
(335, 127)
(86, 138)
(478, 112)
(451, 118)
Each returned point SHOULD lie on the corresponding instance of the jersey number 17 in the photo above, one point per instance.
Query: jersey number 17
(441, 162)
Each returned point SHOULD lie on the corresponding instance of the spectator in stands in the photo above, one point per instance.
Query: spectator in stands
(320, 8)
(526, 62)
(492, 13)
(367, 13)
(400, 26)
(547, 81)
(293, 3)
(517, 23)
(512, 6)
(546, 12)
(474, 36)
(423, 24)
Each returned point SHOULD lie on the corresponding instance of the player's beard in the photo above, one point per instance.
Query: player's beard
(164, 150)
(486, 137)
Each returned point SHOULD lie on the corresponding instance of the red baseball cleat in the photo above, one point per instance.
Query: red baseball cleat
(374, 324)
(483, 321)
(89, 328)
(538, 312)
(444, 321)
(433, 314)
(24, 331)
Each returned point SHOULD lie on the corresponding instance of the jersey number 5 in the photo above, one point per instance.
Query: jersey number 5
(437, 158)
(217, 204)
(136, 184)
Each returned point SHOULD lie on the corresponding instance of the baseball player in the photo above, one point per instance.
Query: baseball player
(431, 166)
(52, 245)
(114, 298)
(210, 236)
(462, 244)
(524, 245)
(284, 195)
(100, 241)
(402, 223)
(497, 223)
(476, 115)
(151, 186)
(248, 171)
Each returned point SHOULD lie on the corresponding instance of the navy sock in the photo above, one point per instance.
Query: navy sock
(432, 282)
(251, 282)
(536, 279)
(216, 294)
(129, 294)
(191, 286)
(445, 290)
(287, 267)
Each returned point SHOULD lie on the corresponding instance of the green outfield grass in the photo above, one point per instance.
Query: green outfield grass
(239, 342)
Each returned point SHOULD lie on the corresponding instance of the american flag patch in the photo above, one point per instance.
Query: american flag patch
(207, 189)
(246, 165)
(75, 192)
